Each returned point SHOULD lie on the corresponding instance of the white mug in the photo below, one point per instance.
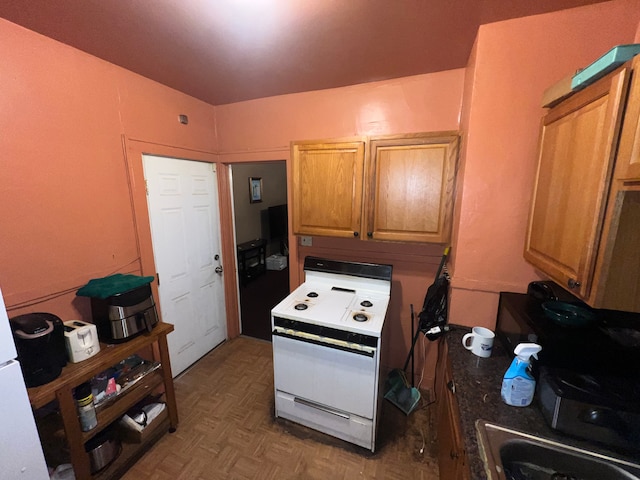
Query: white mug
(481, 341)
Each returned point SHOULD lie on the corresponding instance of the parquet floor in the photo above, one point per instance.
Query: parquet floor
(227, 431)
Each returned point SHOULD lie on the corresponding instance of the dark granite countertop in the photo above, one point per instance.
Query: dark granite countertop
(478, 382)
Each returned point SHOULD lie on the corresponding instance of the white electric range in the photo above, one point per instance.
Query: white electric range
(326, 348)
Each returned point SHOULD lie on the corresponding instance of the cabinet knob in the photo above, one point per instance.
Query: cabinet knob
(370, 234)
(573, 283)
(356, 234)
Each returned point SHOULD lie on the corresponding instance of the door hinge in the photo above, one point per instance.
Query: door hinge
(146, 186)
(158, 278)
(213, 167)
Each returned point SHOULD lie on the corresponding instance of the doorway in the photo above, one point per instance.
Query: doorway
(261, 220)
(182, 196)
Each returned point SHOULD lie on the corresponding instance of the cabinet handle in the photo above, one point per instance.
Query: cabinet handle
(355, 234)
(573, 283)
(370, 234)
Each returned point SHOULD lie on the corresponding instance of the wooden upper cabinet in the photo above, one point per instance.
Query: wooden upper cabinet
(400, 189)
(628, 164)
(578, 144)
(410, 187)
(327, 187)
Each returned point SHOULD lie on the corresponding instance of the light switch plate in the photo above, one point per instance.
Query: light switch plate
(306, 241)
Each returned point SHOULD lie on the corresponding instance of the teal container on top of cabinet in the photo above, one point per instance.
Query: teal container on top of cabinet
(606, 63)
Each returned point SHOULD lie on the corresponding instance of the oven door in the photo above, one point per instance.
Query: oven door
(327, 376)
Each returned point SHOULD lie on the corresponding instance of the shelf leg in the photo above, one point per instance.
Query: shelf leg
(168, 383)
(69, 414)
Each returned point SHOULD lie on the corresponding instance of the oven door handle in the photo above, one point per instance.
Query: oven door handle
(322, 408)
(366, 353)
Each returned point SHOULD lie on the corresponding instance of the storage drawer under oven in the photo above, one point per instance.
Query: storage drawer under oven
(343, 380)
(348, 427)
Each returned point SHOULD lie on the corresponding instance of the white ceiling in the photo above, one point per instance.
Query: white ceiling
(225, 51)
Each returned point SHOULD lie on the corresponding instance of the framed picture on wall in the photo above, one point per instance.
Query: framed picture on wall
(255, 189)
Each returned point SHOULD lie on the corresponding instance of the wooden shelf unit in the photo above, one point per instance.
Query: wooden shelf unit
(252, 259)
(61, 389)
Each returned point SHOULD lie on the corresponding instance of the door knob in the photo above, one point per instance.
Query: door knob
(218, 269)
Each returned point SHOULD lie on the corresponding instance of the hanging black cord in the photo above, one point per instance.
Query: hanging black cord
(413, 376)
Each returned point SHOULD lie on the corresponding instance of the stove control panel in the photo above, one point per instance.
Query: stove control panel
(326, 332)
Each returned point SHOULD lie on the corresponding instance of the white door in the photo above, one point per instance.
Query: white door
(185, 231)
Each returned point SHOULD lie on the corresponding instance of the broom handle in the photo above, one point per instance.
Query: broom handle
(413, 343)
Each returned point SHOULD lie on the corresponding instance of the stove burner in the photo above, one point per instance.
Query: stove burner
(360, 317)
(312, 294)
(301, 306)
(366, 303)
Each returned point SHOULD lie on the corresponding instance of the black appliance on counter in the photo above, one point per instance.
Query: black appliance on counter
(588, 378)
(122, 316)
(39, 339)
(596, 407)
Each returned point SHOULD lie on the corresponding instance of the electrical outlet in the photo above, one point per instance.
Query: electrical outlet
(306, 241)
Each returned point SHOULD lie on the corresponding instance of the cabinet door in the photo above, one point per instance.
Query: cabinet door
(577, 148)
(410, 187)
(327, 188)
(451, 455)
(628, 160)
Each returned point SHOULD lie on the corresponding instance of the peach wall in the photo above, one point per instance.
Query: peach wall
(512, 64)
(417, 103)
(263, 129)
(66, 211)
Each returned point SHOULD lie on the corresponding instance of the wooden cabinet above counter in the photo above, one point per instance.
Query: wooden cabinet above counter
(327, 187)
(582, 230)
(387, 188)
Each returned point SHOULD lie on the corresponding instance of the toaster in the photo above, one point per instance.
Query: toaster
(81, 340)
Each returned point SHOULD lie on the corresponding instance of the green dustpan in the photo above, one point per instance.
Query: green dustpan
(399, 392)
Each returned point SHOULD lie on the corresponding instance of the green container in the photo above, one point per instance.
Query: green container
(605, 64)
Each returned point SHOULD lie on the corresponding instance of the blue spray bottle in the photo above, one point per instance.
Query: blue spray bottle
(518, 385)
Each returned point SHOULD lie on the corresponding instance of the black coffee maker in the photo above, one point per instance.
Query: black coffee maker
(39, 339)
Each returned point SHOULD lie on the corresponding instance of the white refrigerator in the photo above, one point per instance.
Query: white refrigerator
(21, 454)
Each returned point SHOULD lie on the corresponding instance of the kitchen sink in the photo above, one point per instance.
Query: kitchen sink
(514, 455)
